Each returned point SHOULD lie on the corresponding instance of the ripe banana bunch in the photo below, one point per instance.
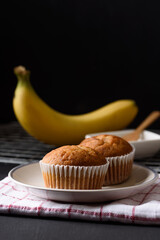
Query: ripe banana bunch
(53, 127)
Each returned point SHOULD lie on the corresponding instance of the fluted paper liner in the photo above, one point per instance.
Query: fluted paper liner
(73, 177)
(120, 168)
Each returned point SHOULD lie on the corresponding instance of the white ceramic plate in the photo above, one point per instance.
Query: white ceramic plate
(146, 146)
(29, 177)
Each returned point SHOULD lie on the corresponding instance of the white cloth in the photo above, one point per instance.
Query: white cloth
(142, 208)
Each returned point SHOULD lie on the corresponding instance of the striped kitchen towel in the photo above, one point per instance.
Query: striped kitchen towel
(142, 208)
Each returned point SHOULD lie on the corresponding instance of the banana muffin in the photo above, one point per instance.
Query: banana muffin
(117, 151)
(74, 167)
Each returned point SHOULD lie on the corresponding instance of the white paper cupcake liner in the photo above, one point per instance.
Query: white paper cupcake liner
(120, 168)
(73, 177)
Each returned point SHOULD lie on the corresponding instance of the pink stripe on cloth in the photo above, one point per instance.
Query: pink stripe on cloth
(142, 208)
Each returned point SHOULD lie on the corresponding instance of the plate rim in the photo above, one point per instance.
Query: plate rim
(144, 184)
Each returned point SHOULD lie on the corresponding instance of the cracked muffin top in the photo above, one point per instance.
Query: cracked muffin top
(108, 145)
(74, 155)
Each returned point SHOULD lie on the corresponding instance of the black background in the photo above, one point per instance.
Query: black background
(82, 54)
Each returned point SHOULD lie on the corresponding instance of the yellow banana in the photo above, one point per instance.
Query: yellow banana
(53, 127)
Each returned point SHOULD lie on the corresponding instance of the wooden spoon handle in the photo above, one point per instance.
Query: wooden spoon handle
(150, 119)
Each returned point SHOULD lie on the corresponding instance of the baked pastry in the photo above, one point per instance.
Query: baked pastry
(117, 151)
(73, 167)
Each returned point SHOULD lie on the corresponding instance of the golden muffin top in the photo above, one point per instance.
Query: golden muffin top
(74, 155)
(108, 145)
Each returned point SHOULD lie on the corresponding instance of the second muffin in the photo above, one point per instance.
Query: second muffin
(74, 167)
(117, 151)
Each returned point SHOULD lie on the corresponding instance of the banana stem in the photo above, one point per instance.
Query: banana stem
(22, 75)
